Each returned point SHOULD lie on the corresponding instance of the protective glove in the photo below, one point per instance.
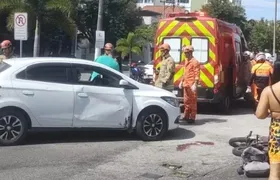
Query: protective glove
(181, 85)
(193, 88)
(248, 89)
(2, 58)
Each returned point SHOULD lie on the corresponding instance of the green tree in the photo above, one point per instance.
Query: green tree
(146, 33)
(226, 11)
(120, 18)
(261, 36)
(129, 45)
(54, 12)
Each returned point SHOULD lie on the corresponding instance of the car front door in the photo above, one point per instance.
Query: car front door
(46, 90)
(101, 102)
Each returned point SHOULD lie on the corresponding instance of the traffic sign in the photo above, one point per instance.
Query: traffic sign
(20, 26)
(99, 39)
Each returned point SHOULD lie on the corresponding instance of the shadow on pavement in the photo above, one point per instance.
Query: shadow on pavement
(96, 136)
(179, 134)
(199, 122)
(239, 107)
(78, 136)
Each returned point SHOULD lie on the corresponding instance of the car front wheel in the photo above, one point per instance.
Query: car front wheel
(13, 127)
(151, 125)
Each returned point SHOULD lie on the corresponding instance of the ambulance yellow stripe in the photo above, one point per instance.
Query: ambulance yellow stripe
(212, 55)
(161, 24)
(206, 80)
(190, 30)
(211, 24)
(180, 30)
(209, 67)
(159, 39)
(179, 74)
(205, 31)
(169, 28)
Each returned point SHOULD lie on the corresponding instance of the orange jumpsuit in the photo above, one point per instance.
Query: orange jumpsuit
(260, 78)
(191, 75)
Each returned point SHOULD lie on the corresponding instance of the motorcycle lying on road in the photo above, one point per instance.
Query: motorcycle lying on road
(253, 150)
(239, 144)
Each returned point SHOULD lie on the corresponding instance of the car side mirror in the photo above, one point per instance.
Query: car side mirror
(126, 85)
(123, 83)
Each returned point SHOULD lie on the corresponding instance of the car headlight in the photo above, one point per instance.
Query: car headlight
(171, 100)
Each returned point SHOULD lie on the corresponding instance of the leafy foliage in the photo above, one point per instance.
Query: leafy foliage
(120, 18)
(41, 12)
(227, 11)
(146, 33)
(129, 45)
(261, 35)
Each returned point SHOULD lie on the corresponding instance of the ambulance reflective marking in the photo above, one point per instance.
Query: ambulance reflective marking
(207, 82)
(204, 31)
(177, 28)
(169, 28)
(161, 24)
(211, 24)
(193, 29)
(179, 74)
(163, 28)
(212, 55)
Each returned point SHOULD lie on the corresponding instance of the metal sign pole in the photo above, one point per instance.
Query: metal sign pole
(20, 48)
(274, 31)
(20, 29)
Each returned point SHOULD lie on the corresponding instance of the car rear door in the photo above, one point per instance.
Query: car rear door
(101, 102)
(46, 90)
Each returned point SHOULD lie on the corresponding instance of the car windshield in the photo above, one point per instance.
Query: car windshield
(151, 63)
(4, 66)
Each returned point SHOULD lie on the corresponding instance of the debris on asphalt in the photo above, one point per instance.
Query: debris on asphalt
(182, 147)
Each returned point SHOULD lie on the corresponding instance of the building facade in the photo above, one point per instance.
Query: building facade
(189, 5)
(181, 3)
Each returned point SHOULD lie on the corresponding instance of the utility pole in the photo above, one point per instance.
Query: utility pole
(274, 31)
(163, 8)
(99, 25)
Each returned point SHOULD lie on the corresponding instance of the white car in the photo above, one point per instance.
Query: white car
(58, 93)
(149, 71)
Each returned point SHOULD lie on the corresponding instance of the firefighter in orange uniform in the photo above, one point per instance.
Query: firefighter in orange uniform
(189, 84)
(260, 76)
(167, 69)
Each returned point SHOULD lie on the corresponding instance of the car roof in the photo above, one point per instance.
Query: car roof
(20, 62)
(30, 60)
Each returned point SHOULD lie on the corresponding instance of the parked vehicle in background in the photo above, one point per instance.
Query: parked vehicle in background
(149, 72)
(219, 47)
(137, 71)
(38, 93)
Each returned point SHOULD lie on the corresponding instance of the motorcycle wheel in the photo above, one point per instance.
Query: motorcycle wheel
(237, 151)
(237, 141)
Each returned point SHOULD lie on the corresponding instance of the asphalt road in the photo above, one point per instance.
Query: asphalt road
(118, 155)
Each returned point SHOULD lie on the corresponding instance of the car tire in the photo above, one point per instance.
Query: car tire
(151, 125)
(13, 127)
(225, 105)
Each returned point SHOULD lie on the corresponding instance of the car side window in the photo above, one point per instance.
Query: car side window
(95, 76)
(56, 73)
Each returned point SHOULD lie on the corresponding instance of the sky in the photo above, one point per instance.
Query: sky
(257, 9)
